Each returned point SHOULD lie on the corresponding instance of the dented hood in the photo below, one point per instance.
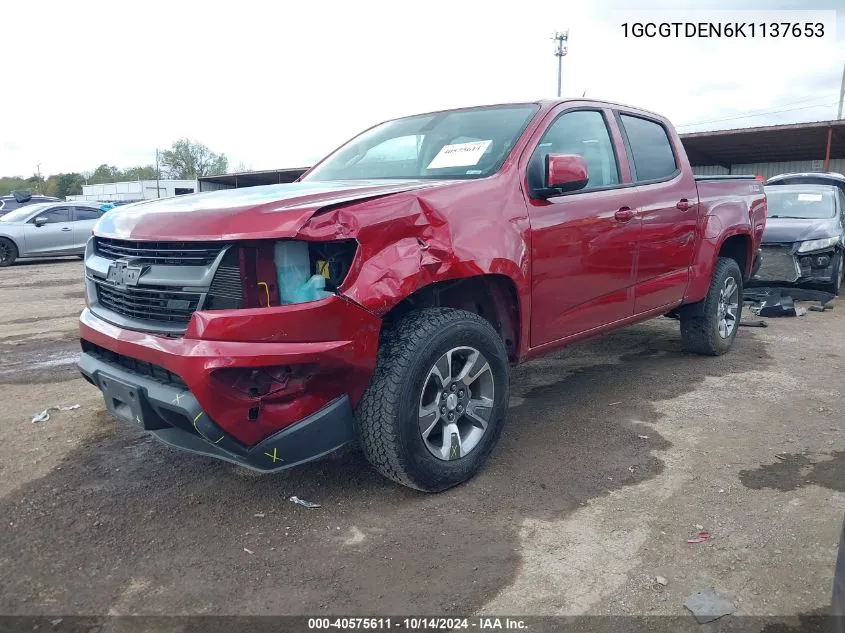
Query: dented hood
(247, 213)
(781, 230)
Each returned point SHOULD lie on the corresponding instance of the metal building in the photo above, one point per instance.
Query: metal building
(236, 180)
(132, 191)
(768, 151)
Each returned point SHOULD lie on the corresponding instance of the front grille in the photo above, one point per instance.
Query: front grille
(777, 264)
(132, 364)
(166, 253)
(155, 304)
(226, 291)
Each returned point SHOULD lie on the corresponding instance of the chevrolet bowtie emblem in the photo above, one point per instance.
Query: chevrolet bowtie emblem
(123, 273)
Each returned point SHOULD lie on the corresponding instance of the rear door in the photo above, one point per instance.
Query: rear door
(583, 243)
(84, 220)
(667, 199)
(55, 237)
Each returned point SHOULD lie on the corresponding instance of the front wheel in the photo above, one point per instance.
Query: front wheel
(713, 332)
(436, 404)
(8, 252)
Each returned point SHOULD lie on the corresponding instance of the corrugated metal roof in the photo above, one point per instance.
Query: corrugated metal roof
(255, 178)
(772, 143)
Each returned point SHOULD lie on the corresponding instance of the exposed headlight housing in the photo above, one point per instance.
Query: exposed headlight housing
(264, 273)
(818, 245)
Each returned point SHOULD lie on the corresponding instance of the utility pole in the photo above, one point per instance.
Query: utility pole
(560, 52)
(38, 169)
(158, 177)
(826, 167)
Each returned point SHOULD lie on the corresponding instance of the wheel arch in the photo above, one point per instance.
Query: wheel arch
(737, 246)
(494, 297)
(15, 243)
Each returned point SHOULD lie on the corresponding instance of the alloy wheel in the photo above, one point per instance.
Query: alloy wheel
(728, 307)
(456, 403)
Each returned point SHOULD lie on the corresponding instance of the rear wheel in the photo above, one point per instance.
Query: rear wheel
(713, 332)
(8, 252)
(436, 403)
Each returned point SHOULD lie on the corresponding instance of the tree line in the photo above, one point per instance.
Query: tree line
(185, 160)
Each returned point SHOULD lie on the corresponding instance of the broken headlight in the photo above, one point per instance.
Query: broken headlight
(818, 245)
(264, 273)
(308, 271)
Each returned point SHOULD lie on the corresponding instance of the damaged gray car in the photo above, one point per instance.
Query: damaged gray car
(804, 238)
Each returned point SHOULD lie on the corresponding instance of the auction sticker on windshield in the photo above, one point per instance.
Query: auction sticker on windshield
(809, 197)
(459, 155)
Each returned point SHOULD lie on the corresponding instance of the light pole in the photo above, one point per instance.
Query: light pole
(158, 177)
(560, 52)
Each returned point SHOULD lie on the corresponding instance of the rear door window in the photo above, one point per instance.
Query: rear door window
(86, 213)
(651, 152)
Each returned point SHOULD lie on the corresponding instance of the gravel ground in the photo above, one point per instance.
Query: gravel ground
(616, 452)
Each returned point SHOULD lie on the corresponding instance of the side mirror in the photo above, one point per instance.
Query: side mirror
(565, 172)
(41, 221)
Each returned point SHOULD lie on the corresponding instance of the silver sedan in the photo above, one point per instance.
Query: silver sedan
(47, 229)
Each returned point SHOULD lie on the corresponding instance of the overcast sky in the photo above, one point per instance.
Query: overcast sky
(279, 84)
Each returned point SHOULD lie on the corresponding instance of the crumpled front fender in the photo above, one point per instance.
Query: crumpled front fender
(408, 242)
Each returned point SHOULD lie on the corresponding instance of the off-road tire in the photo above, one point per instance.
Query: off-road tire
(7, 246)
(386, 418)
(700, 334)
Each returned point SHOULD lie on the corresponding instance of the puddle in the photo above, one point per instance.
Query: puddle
(793, 471)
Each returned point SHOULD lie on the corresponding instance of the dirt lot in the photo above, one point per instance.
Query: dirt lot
(615, 452)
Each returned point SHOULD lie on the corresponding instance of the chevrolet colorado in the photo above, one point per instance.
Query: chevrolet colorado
(383, 297)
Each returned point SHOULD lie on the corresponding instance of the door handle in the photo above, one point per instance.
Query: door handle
(625, 214)
(66, 228)
(683, 205)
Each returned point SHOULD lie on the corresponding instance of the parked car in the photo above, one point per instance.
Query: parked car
(804, 238)
(18, 199)
(46, 229)
(809, 178)
(384, 296)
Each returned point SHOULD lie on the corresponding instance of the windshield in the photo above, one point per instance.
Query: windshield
(453, 144)
(809, 203)
(24, 212)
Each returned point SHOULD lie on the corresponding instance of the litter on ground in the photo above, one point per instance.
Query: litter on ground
(702, 537)
(304, 503)
(706, 605)
(45, 414)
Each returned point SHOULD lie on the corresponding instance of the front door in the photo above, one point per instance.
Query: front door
(584, 243)
(54, 237)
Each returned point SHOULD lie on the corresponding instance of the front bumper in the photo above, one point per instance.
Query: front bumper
(190, 391)
(173, 415)
(783, 263)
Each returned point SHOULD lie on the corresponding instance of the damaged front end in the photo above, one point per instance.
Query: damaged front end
(813, 261)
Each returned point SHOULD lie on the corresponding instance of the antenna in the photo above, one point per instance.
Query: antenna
(561, 38)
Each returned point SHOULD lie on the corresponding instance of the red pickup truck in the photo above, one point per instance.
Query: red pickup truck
(383, 296)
